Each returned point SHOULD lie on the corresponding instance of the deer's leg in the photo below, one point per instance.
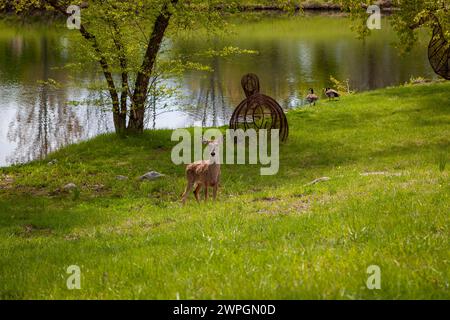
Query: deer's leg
(197, 191)
(186, 192)
(216, 186)
(206, 191)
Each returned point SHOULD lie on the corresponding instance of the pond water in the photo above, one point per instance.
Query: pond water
(294, 54)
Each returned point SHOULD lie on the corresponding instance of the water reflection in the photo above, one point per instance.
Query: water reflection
(41, 121)
(209, 104)
(294, 55)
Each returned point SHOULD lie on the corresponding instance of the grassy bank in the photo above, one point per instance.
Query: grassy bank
(386, 203)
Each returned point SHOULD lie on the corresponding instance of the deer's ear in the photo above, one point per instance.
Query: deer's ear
(219, 139)
(204, 141)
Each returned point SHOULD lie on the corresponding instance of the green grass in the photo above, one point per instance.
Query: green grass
(266, 237)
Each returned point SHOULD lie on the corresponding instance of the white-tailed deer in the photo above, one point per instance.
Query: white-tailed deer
(204, 173)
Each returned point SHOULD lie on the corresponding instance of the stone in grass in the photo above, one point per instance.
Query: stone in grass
(52, 162)
(121, 178)
(152, 175)
(323, 179)
(70, 186)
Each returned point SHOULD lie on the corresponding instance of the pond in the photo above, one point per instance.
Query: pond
(294, 53)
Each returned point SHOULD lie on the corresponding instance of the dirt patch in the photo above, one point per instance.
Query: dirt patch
(381, 173)
(18, 189)
(97, 187)
(30, 230)
(72, 237)
(290, 206)
(301, 206)
(6, 181)
(267, 199)
(300, 195)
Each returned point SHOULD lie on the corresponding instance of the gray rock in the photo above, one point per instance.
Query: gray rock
(70, 186)
(52, 162)
(152, 175)
(121, 178)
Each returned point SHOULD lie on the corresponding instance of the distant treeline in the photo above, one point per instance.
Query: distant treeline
(245, 7)
(310, 5)
(9, 9)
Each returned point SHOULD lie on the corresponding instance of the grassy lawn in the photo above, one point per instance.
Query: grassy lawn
(267, 237)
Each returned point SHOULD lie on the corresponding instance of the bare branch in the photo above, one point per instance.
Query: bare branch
(102, 60)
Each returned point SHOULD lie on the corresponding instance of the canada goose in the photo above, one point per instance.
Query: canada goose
(312, 97)
(331, 93)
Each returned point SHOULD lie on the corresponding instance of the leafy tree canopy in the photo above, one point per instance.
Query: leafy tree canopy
(125, 38)
(407, 17)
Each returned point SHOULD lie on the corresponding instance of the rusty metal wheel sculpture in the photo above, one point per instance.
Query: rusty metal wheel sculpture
(258, 111)
(439, 51)
(250, 84)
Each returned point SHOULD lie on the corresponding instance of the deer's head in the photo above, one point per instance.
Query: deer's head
(213, 148)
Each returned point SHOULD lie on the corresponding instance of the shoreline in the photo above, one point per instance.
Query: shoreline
(385, 6)
(309, 6)
(417, 83)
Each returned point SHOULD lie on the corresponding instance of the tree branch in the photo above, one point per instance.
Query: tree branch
(153, 46)
(102, 60)
(123, 65)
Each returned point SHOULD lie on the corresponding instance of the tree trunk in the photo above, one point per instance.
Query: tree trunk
(120, 122)
(121, 117)
(136, 121)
